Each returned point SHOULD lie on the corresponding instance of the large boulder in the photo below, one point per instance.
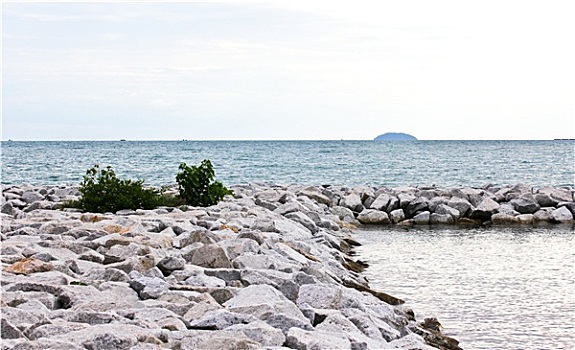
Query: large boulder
(562, 215)
(352, 202)
(212, 256)
(525, 204)
(372, 216)
(486, 208)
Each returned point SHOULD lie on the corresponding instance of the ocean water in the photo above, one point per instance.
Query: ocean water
(443, 163)
(491, 288)
(507, 288)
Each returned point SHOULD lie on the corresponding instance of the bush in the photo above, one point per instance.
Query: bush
(102, 192)
(197, 186)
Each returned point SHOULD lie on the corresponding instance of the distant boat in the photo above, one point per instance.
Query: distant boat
(123, 140)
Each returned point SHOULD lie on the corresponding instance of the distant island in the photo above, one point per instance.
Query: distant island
(395, 136)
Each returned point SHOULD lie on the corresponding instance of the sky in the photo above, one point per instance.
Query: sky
(288, 70)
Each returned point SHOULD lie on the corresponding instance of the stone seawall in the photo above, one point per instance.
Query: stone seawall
(271, 268)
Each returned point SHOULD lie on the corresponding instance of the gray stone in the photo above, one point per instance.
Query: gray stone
(31, 196)
(372, 216)
(341, 212)
(149, 287)
(422, 218)
(543, 215)
(202, 280)
(484, 210)
(441, 219)
(352, 202)
(562, 215)
(557, 194)
(397, 215)
(417, 205)
(504, 219)
(319, 296)
(260, 332)
(307, 340)
(212, 256)
(265, 226)
(569, 205)
(262, 301)
(304, 220)
(221, 319)
(289, 207)
(284, 322)
(107, 274)
(210, 340)
(381, 202)
(9, 331)
(525, 204)
(261, 261)
(316, 196)
(170, 264)
(446, 209)
(525, 219)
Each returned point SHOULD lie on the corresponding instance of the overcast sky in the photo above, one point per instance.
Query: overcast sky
(289, 70)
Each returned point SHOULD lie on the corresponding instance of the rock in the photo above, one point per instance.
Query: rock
(28, 266)
(372, 216)
(397, 215)
(261, 333)
(422, 218)
(31, 196)
(446, 209)
(319, 296)
(202, 280)
(555, 195)
(317, 196)
(484, 210)
(301, 339)
(342, 212)
(220, 319)
(352, 202)
(264, 226)
(170, 264)
(416, 206)
(381, 202)
(209, 340)
(149, 287)
(543, 215)
(562, 215)
(262, 301)
(441, 219)
(9, 331)
(525, 204)
(303, 219)
(569, 205)
(525, 219)
(504, 219)
(212, 256)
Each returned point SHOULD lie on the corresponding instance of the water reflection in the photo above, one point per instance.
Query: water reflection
(491, 288)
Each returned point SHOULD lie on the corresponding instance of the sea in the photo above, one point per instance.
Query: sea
(491, 288)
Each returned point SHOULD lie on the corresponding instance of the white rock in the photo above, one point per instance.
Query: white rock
(562, 215)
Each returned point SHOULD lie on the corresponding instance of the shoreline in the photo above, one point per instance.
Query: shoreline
(270, 268)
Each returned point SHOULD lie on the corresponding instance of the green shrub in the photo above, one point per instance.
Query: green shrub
(197, 186)
(102, 192)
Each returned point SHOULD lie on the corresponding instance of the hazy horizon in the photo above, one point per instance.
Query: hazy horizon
(445, 70)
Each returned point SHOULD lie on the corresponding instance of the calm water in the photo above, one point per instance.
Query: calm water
(444, 163)
(490, 288)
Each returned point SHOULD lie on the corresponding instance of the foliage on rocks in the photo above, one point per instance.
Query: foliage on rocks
(197, 185)
(102, 191)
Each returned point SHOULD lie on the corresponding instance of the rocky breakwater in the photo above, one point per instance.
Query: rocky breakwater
(491, 205)
(271, 268)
